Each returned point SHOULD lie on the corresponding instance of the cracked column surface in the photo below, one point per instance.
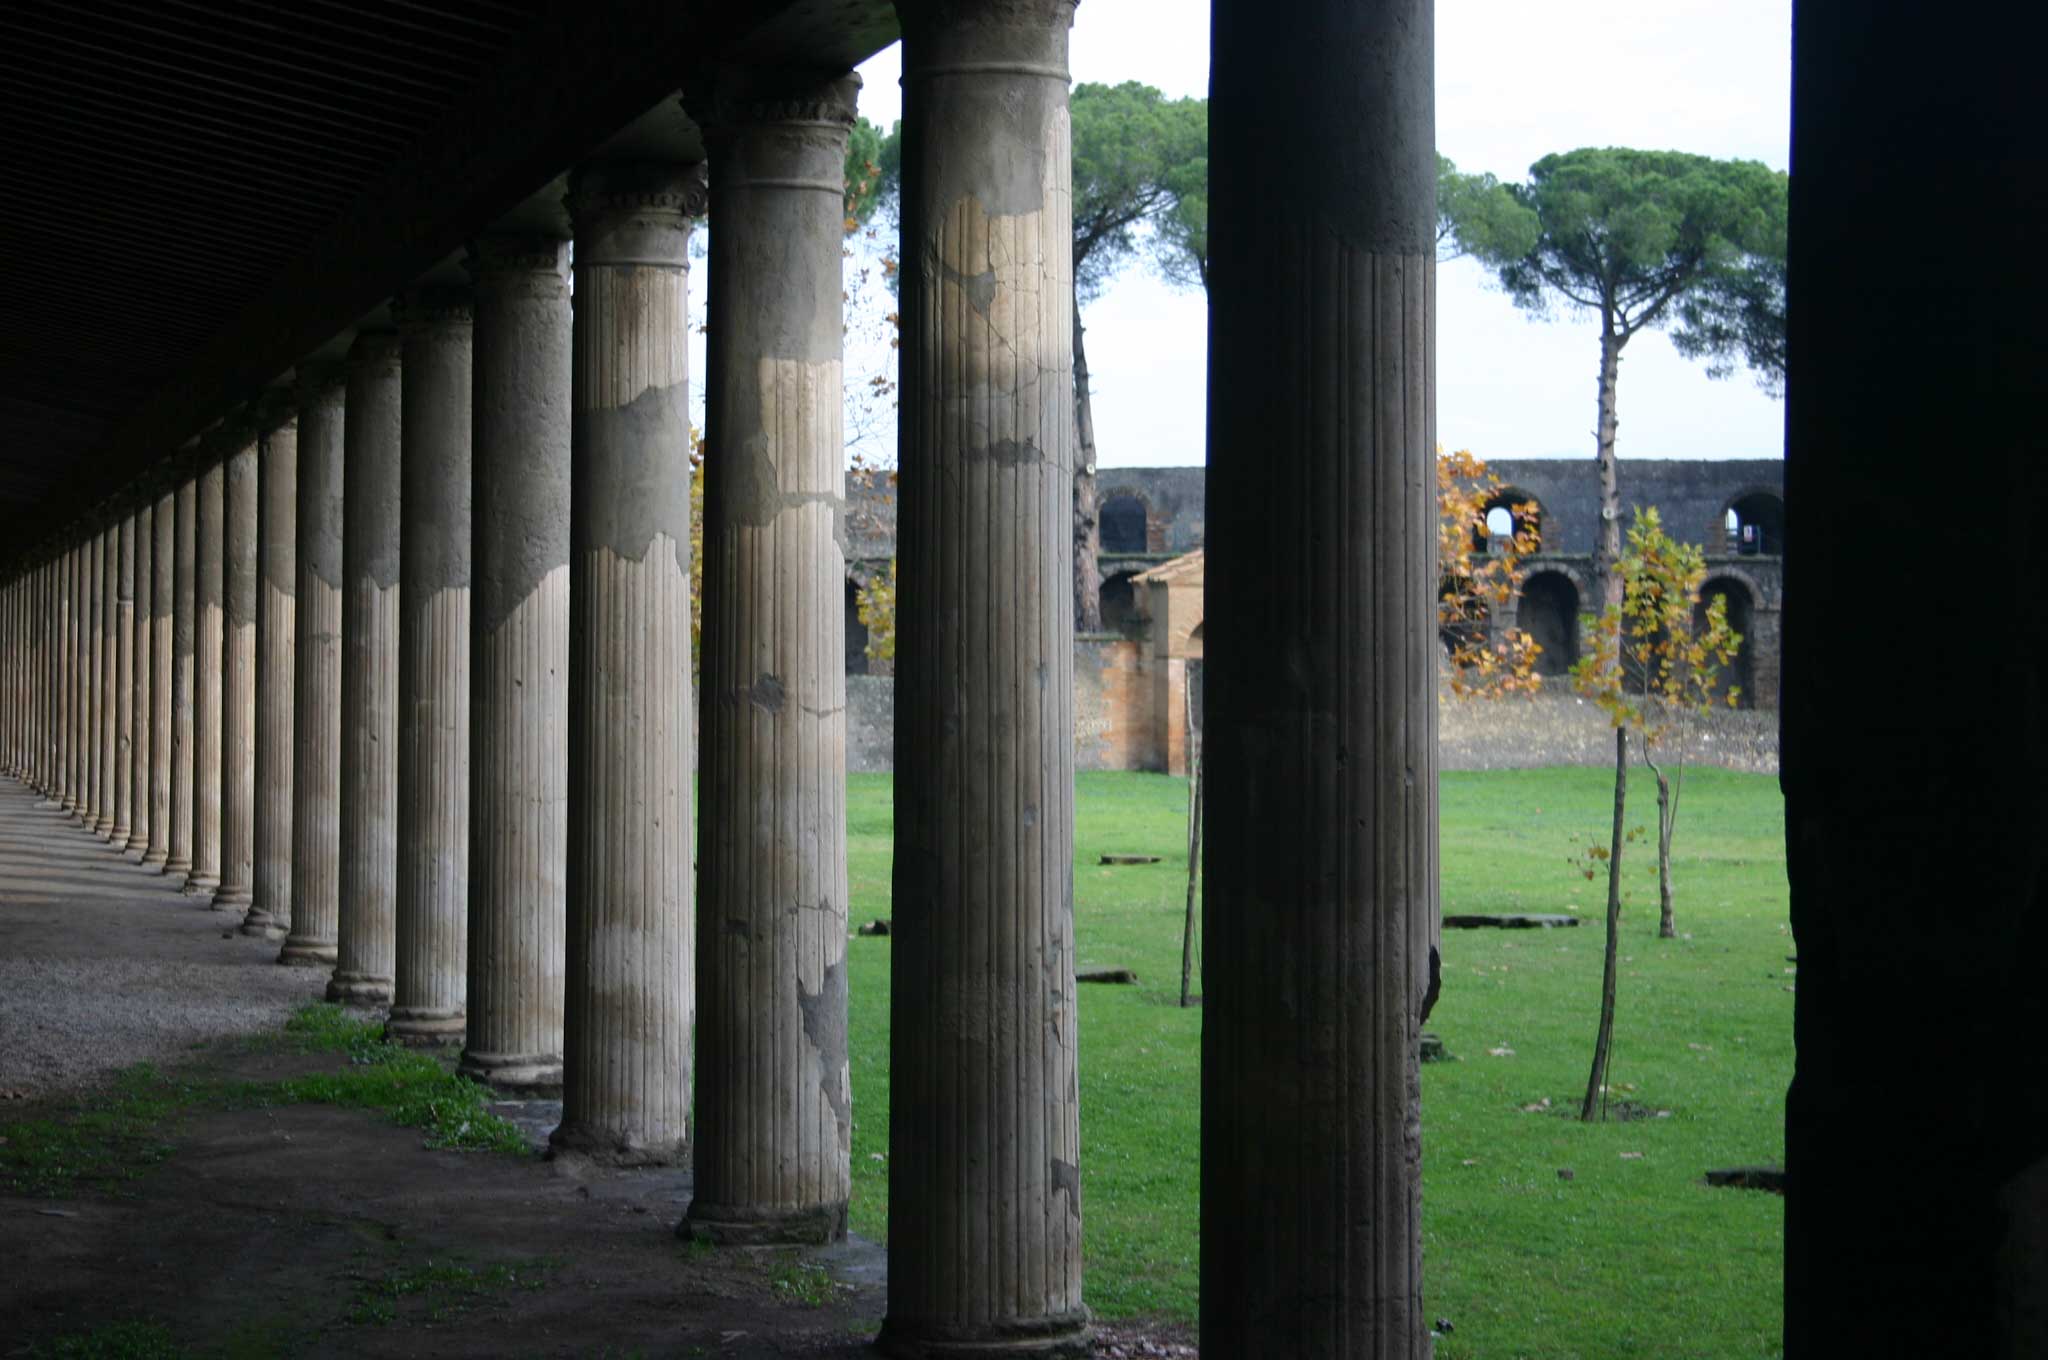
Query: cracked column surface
(100, 697)
(162, 588)
(626, 1041)
(121, 648)
(433, 671)
(184, 675)
(211, 542)
(773, 1123)
(1321, 848)
(316, 675)
(277, 497)
(366, 927)
(519, 769)
(984, 1106)
(139, 704)
(238, 680)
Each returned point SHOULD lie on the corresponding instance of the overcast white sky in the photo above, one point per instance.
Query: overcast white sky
(1515, 81)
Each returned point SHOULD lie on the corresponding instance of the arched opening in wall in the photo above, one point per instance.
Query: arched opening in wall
(856, 633)
(1741, 617)
(1511, 515)
(1755, 525)
(1122, 524)
(1119, 601)
(1549, 613)
(1195, 643)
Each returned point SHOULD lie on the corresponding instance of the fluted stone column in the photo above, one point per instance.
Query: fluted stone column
(626, 1042)
(184, 676)
(270, 904)
(122, 648)
(66, 792)
(138, 746)
(238, 681)
(84, 580)
(1321, 848)
(519, 750)
(209, 629)
(103, 704)
(433, 672)
(163, 586)
(366, 929)
(984, 1161)
(316, 705)
(773, 1093)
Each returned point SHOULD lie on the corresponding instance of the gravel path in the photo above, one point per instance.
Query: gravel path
(104, 963)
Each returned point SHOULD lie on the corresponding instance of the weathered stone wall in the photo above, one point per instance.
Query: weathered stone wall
(1115, 690)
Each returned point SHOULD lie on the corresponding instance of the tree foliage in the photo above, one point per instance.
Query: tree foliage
(875, 604)
(1478, 215)
(1653, 660)
(1134, 152)
(1480, 577)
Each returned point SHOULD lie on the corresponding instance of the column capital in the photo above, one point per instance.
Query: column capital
(276, 409)
(375, 349)
(960, 37)
(636, 212)
(430, 306)
(319, 381)
(518, 259)
(737, 97)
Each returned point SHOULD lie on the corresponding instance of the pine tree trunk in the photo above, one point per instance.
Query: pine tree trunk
(1605, 1038)
(1087, 535)
(1607, 554)
(1667, 926)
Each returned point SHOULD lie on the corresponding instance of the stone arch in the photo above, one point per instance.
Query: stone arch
(1753, 523)
(1119, 602)
(1522, 511)
(1742, 602)
(1548, 611)
(1124, 522)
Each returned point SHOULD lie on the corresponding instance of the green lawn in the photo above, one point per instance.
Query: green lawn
(1632, 1256)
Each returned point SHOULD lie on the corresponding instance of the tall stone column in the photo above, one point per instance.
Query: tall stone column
(101, 701)
(519, 764)
(433, 671)
(163, 586)
(773, 1095)
(122, 648)
(366, 929)
(209, 629)
(984, 1110)
(83, 585)
(178, 840)
(277, 497)
(316, 705)
(1321, 904)
(626, 1041)
(238, 679)
(65, 634)
(139, 629)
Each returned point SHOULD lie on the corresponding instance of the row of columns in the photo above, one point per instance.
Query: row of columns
(418, 678)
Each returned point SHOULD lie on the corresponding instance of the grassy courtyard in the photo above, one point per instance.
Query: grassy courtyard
(1632, 1255)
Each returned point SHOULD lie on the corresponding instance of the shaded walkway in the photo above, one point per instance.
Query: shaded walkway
(104, 963)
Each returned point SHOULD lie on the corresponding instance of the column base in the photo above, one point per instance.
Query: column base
(531, 1076)
(299, 952)
(739, 1225)
(156, 859)
(177, 868)
(358, 989)
(137, 846)
(416, 1027)
(201, 885)
(613, 1149)
(1061, 1337)
(101, 827)
(264, 925)
(231, 897)
(118, 837)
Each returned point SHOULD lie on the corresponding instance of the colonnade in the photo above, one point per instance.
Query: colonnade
(395, 663)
